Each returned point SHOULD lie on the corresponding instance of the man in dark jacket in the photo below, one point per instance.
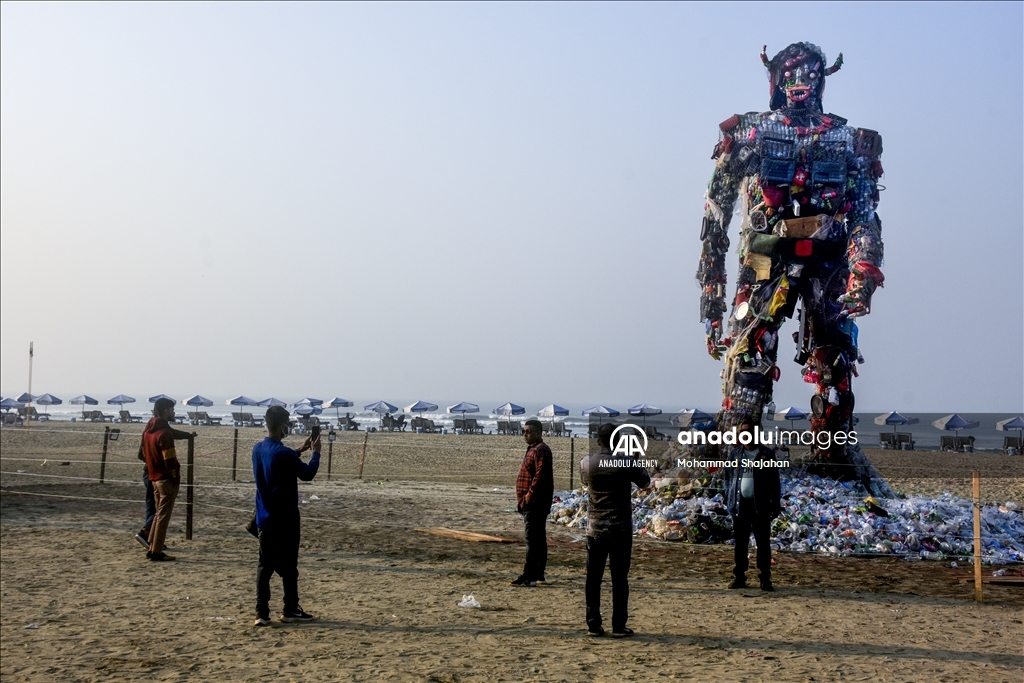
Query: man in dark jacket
(276, 469)
(535, 489)
(609, 529)
(163, 472)
(163, 409)
(753, 496)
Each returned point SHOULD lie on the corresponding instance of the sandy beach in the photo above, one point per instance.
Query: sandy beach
(80, 602)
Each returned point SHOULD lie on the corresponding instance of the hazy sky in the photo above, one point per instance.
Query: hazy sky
(476, 201)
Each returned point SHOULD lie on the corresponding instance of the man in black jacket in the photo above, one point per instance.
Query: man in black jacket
(752, 494)
(609, 529)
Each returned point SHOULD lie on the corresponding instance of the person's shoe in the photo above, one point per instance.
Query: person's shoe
(143, 540)
(622, 633)
(294, 615)
(766, 585)
(522, 581)
(161, 557)
(595, 632)
(144, 532)
(738, 583)
(261, 621)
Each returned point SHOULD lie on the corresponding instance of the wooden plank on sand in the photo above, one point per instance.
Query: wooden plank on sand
(1017, 581)
(466, 536)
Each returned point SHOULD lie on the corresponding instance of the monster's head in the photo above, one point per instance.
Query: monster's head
(796, 76)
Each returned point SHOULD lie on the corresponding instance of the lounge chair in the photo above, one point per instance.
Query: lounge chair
(128, 417)
(347, 423)
(399, 423)
(888, 440)
(558, 429)
(1013, 442)
(904, 438)
(515, 428)
(957, 444)
(459, 423)
(13, 420)
(32, 414)
(474, 427)
(654, 433)
(503, 427)
(204, 418)
(429, 426)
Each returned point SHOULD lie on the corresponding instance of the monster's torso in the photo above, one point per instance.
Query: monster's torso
(789, 168)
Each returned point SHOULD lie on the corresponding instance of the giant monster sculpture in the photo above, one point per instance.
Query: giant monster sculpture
(810, 246)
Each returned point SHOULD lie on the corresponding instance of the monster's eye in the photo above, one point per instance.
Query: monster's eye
(788, 74)
(813, 75)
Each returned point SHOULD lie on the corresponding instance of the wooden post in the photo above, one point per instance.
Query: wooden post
(330, 454)
(189, 488)
(234, 456)
(103, 458)
(363, 459)
(977, 536)
(572, 459)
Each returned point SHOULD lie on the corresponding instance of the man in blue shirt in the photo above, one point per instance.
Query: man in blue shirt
(276, 469)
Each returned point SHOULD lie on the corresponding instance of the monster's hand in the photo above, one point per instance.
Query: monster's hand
(864, 278)
(713, 335)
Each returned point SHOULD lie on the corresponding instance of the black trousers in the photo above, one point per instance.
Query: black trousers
(535, 517)
(150, 500)
(279, 552)
(743, 524)
(617, 550)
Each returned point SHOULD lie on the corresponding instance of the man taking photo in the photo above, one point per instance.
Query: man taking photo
(277, 469)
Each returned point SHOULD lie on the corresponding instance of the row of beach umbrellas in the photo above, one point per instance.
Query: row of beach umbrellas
(312, 406)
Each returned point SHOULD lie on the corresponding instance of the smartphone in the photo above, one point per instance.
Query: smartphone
(314, 434)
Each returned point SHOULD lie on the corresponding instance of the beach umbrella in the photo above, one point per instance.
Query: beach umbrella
(10, 404)
(601, 412)
(84, 400)
(154, 399)
(338, 403)
(382, 408)
(552, 410)
(198, 401)
(271, 402)
(643, 410)
(893, 418)
(305, 409)
(26, 398)
(954, 423)
(692, 417)
(120, 400)
(241, 401)
(1014, 423)
(309, 402)
(420, 407)
(47, 400)
(509, 409)
(464, 408)
(792, 414)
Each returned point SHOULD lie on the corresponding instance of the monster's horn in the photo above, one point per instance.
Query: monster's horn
(836, 66)
(764, 55)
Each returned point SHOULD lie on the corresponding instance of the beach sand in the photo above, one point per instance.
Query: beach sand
(386, 596)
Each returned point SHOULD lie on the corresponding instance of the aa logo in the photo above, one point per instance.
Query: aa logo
(628, 443)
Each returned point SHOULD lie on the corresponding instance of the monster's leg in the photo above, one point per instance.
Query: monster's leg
(750, 361)
(829, 366)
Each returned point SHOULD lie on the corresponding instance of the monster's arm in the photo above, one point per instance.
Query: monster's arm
(864, 248)
(711, 275)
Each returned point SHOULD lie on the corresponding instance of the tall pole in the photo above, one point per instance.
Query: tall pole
(28, 408)
(103, 457)
(330, 452)
(977, 536)
(188, 488)
(234, 456)
(572, 459)
(363, 459)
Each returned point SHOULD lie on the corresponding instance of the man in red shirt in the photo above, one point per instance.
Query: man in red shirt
(164, 472)
(535, 488)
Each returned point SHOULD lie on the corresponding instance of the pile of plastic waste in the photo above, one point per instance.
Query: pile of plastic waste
(818, 516)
